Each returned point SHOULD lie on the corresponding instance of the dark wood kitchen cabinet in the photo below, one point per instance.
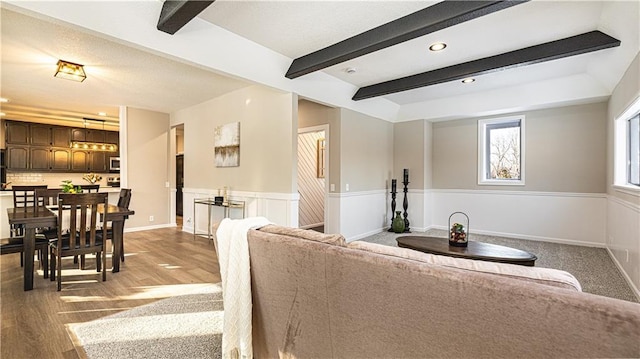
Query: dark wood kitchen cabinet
(79, 161)
(17, 133)
(40, 135)
(39, 158)
(60, 159)
(40, 147)
(60, 136)
(17, 158)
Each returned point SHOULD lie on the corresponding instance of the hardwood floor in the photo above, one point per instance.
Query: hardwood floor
(159, 264)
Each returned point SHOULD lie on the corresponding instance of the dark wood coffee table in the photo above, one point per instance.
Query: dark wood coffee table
(474, 250)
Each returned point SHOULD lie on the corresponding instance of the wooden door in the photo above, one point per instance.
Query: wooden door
(98, 162)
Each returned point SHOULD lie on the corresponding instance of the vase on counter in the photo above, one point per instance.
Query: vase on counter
(398, 223)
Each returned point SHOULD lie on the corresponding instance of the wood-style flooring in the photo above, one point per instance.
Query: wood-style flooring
(159, 264)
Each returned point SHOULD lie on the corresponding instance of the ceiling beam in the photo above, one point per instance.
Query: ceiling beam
(175, 14)
(433, 18)
(570, 46)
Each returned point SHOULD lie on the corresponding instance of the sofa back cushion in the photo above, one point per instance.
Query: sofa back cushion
(546, 276)
(335, 239)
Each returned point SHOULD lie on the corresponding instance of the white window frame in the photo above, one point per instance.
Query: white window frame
(482, 155)
(621, 150)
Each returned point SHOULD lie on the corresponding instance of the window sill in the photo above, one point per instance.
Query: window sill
(628, 189)
(501, 183)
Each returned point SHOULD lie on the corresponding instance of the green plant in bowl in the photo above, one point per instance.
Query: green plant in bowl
(68, 187)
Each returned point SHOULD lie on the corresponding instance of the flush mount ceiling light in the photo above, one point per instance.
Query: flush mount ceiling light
(102, 113)
(350, 70)
(2, 99)
(70, 71)
(468, 80)
(438, 46)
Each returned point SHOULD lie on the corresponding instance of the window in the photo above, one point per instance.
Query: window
(633, 169)
(501, 151)
(627, 148)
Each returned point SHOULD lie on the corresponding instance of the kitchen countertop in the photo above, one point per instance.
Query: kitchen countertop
(106, 189)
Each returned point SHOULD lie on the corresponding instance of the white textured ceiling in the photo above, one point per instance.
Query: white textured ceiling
(149, 77)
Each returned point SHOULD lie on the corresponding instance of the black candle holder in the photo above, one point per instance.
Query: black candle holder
(393, 203)
(405, 205)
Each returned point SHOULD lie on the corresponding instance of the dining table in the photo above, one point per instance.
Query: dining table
(32, 218)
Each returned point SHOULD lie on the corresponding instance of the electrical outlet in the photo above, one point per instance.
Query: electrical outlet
(333, 187)
(347, 187)
(627, 252)
(151, 219)
(189, 220)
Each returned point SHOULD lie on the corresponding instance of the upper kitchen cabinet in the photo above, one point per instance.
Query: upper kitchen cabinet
(40, 135)
(78, 134)
(60, 136)
(112, 137)
(18, 158)
(17, 133)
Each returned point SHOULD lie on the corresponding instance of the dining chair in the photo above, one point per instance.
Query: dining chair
(23, 196)
(123, 202)
(48, 197)
(16, 245)
(89, 188)
(80, 211)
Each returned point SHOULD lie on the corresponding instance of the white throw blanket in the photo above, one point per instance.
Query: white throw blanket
(233, 256)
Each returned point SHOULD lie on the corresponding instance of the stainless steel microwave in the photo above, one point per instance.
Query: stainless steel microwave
(114, 164)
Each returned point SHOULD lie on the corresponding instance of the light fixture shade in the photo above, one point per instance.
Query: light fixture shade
(94, 146)
(70, 71)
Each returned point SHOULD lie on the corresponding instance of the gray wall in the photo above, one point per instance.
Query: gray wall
(412, 150)
(366, 152)
(148, 166)
(268, 141)
(565, 151)
(627, 90)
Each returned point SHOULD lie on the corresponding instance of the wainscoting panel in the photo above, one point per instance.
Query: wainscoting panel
(361, 213)
(574, 218)
(280, 208)
(623, 238)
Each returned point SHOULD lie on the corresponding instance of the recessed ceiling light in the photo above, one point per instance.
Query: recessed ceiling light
(438, 46)
(2, 99)
(102, 113)
(2, 114)
(350, 70)
(468, 80)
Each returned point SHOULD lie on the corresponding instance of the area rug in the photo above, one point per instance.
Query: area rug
(185, 326)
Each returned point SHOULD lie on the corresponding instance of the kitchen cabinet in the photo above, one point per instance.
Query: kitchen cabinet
(60, 159)
(40, 135)
(17, 158)
(39, 158)
(99, 162)
(41, 147)
(61, 136)
(79, 161)
(17, 133)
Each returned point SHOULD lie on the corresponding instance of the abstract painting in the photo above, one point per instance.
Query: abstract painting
(226, 143)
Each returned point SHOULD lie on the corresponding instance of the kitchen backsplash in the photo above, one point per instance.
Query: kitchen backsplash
(52, 180)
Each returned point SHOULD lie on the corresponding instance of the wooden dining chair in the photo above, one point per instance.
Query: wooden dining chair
(80, 211)
(89, 188)
(123, 202)
(23, 196)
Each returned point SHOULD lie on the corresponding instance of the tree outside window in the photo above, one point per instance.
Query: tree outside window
(500, 152)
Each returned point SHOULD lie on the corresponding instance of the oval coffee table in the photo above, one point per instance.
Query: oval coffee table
(474, 250)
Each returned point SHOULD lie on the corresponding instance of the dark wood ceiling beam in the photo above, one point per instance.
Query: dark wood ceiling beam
(419, 23)
(175, 14)
(570, 46)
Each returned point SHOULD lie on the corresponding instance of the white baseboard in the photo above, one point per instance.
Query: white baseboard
(635, 290)
(532, 238)
(146, 228)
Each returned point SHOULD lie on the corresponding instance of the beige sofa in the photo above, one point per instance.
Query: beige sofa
(316, 297)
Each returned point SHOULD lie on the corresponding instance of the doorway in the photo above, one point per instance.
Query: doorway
(312, 172)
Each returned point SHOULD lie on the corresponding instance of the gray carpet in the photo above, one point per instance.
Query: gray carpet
(593, 267)
(185, 326)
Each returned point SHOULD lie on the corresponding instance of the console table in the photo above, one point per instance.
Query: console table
(210, 203)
